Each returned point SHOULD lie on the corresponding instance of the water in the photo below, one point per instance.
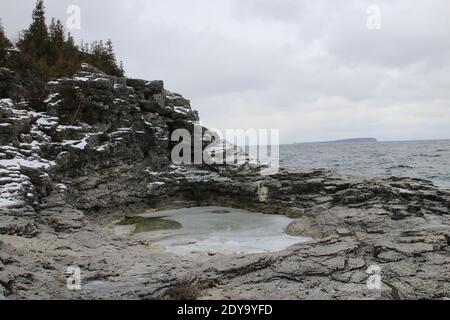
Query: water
(428, 160)
(221, 230)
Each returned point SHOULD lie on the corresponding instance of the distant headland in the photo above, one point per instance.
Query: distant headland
(352, 140)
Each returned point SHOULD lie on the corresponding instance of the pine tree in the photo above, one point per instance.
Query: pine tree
(56, 42)
(104, 58)
(34, 46)
(68, 59)
(34, 41)
(111, 60)
(48, 52)
(110, 55)
(4, 44)
(70, 40)
(4, 41)
(122, 69)
(57, 36)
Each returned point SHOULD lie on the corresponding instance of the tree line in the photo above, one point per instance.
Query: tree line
(50, 48)
(46, 51)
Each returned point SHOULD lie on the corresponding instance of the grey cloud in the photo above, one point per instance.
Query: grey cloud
(310, 68)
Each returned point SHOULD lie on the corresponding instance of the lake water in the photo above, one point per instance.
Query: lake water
(428, 160)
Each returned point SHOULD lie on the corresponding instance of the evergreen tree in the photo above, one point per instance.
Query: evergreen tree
(68, 59)
(4, 41)
(115, 68)
(4, 44)
(101, 55)
(110, 55)
(57, 36)
(70, 40)
(121, 69)
(34, 41)
(71, 51)
(48, 52)
(63, 57)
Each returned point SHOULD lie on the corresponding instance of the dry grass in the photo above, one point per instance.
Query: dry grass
(187, 289)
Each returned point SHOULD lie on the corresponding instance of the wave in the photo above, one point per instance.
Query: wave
(424, 155)
(400, 166)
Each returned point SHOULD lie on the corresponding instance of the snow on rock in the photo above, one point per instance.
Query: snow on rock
(21, 165)
(117, 122)
(51, 97)
(7, 202)
(6, 103)
(47, 122)
(182, 110)
(78, 144)
(17, 163)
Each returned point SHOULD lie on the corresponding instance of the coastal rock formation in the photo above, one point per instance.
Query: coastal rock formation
(102, 150)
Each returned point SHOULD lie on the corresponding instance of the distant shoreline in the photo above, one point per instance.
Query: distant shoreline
(360, 140)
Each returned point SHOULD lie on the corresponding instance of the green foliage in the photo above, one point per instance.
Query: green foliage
(68, 111)
(47, 52)
(52, 47)
(34, 41)
(4, 44)
(102, 56)
(64, 55)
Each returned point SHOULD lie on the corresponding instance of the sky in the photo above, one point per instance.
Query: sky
(316, 70)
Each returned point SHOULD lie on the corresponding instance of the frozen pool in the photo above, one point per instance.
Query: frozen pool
(220, 230)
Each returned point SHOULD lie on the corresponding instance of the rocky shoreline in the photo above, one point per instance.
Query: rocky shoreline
(102, 149)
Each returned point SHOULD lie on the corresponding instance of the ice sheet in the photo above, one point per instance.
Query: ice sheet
(223, 231)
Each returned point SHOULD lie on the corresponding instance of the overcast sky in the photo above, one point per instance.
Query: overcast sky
(311, 68)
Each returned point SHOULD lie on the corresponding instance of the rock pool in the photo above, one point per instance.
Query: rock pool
(221, 230)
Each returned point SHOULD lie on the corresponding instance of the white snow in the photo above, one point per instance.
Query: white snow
(6, 103)
(47, 121)
(17, 163)
(79, 144)
(102, 148)
(62, 127)
(181, 110)
(152, 173)
(52, 104)
(61, 186)
(83, 79)
(7, 203)
(101, 79)
(51, 97)
(82, 145)
(157, 183)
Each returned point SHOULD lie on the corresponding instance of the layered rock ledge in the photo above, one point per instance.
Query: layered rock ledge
(101, 149)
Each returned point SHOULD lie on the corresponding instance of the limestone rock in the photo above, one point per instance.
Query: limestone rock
(17, 226)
